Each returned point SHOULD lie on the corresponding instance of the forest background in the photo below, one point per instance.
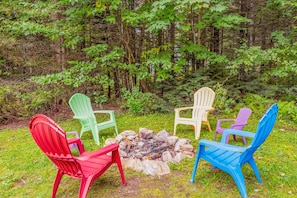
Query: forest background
(146, 55)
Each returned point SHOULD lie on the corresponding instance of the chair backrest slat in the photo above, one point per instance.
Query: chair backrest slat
(265, 126)
(81, 105)
(53, 142)
(242, 117)
(204, 97)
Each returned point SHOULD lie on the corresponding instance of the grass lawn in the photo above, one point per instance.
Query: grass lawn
(27, 172)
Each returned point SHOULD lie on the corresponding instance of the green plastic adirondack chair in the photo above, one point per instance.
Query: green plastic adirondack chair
(83, 111)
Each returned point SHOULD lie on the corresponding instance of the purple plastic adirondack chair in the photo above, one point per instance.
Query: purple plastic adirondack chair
(239, 123)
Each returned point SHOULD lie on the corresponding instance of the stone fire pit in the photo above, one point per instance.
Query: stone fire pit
(149, 153)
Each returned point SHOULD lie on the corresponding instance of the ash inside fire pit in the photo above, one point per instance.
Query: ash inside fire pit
(149, 153)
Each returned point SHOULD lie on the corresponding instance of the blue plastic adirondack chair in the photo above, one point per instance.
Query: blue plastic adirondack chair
(238, 123)
(83, 111)
(230, 158)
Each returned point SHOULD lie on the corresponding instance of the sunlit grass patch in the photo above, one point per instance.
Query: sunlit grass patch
(27, 172)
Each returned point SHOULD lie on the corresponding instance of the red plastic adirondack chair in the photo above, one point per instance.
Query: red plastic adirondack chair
(238, 123)
(87, 167)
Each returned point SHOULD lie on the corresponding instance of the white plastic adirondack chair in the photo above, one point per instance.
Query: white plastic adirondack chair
(203, 100)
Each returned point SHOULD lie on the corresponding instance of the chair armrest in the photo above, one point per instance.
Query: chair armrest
(219, 122)
(110, 112)
(178, 110)
(226, 120)
(73, 132)
(220, 145)
(205, 108)
(183, 108)
(238, 124)
(102, 151)
(228, 132)
(78, 142)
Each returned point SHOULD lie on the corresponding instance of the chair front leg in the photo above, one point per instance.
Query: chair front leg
(200, 149)
(117, 159)
(57, 183)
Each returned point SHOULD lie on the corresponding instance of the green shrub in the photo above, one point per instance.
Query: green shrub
(159, 105)
(10, 106)
(136, 101)
(22, 100)
(223, 102)
(99, 99)
(257, 103)
(288, 111)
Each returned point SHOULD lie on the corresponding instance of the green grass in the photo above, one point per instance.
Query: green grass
(26, 171)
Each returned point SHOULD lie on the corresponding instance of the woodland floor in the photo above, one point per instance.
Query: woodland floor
(135, 181)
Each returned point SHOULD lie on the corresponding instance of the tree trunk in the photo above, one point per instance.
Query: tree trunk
(116, 78)
(243, 36)
(215, 40)
(172, 40)
(58, 44)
